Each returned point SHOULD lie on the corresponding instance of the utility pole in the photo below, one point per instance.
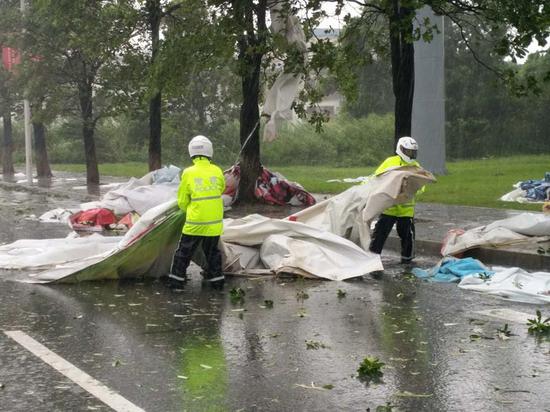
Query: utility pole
(27, 117)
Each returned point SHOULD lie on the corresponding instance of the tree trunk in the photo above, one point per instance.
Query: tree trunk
(250, 127)
(41, 152)
(250, 59)
(88, 128)
(402, 59)
(155, 125)
(155, 103)
(7, 145)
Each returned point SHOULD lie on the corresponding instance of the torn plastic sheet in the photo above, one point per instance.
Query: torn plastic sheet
(510, 283)
(359, 179)
(273, 245)
(271, 187)
(350, 213)
(513, 284)
(125, 200)
(530, 191)
(58, 215)
(145, 250)
(249, 244)
(283, 92)
(136, 195)
(519, 196)
(525, 227)
(292, 247)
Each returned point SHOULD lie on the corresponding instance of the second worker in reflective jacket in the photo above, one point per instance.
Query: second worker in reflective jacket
(200, 197)
(401, 215)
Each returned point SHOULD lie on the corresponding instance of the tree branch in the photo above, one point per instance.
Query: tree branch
(472, 51)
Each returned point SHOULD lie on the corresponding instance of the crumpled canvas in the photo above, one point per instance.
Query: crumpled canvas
(312, 246)
(525, 227)
(145, 250)
(283, 246)
(43, 253)
(137, 195)
(514, 284)
(283, 92)
(350, 213)
(271, 187)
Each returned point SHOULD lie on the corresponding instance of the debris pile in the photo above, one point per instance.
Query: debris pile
(530, 191)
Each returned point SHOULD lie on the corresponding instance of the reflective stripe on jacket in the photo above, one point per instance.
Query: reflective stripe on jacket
(200, 197)
(403, 209)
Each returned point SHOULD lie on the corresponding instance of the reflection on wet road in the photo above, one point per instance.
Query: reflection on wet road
(197, 349)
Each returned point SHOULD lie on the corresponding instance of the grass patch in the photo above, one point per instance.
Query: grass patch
(468, 182)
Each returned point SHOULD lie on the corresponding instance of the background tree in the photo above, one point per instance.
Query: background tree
(154, 12)
(202, 91)
(8, 88)
(512, 24)
(41, 151)
(367, 84)
(6, 104)
(81, 41)
(185, 47)
(484, 118)
(244, 23)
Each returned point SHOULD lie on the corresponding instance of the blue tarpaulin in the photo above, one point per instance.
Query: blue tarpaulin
(537, 189)
(451, 269)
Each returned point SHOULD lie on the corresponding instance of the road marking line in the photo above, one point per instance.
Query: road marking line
(506, 314)
(93, 386)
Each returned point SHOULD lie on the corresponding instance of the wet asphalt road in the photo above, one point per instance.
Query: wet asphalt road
(196, 349)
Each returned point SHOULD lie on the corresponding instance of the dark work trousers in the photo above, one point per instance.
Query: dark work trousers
(186, 248)
(405, 230)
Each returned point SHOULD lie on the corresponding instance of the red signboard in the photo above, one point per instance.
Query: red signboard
(10, 58)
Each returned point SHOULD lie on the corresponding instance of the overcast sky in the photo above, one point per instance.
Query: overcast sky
(337, 22)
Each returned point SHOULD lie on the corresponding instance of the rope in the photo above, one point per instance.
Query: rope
(246, 141)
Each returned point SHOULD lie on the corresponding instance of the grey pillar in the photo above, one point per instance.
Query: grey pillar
(428, 115)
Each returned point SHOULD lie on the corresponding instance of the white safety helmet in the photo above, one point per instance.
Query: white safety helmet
(407, 148)
(200, 146)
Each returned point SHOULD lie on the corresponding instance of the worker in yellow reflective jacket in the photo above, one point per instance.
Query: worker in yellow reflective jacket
(402, 214)
(200, 197)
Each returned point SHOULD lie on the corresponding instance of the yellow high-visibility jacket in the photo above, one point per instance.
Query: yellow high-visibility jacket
(403, 209)
(200, 197)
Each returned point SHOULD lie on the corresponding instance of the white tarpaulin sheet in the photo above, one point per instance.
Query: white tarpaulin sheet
(283, 92)
(251, 243)
(518, 195)
(141, 194)
(526, 227)
(145, 250)
(36, 253)
(136, 195)
(312, 246)
(350, 213)
(514, 284)
(291, 247)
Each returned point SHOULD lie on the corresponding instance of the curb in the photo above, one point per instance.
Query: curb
(487, 255)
